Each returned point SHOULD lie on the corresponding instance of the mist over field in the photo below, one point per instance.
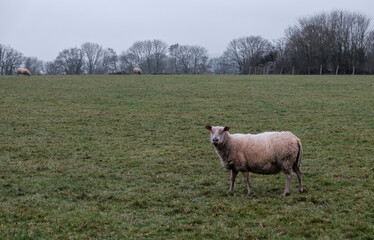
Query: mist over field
(328, 38)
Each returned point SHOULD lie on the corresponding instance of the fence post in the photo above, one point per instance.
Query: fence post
(320, 70)
(353, 72)
(337, 70)
(293, 70)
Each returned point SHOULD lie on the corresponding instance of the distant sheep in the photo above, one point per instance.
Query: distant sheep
(137, 71)
(265, 153)
(23, 71)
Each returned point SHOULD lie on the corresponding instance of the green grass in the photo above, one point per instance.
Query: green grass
(128, 157)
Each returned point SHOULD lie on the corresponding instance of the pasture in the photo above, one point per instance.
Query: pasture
(128, 157)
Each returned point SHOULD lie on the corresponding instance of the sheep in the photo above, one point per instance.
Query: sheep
(265, 153)
(23, 71)
(137, 71)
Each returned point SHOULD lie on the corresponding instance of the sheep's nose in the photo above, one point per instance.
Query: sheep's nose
(215, 139)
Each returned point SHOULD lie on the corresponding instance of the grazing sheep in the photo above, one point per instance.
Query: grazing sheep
(265, 153)
(23, 71)
(137, 71)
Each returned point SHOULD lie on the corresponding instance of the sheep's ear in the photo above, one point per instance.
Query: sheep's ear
(226, 128)
(208, 127)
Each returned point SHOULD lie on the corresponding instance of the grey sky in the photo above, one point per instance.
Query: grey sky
(42, 28)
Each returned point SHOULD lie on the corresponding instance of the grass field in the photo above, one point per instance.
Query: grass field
(128, 157)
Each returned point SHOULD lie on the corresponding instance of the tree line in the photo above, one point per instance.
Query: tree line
(336, 42)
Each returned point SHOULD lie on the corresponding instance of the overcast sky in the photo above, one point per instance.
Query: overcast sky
(43, 28)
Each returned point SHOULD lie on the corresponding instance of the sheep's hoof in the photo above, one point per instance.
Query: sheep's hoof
(231, 193)
(251, 193)
(285, 194)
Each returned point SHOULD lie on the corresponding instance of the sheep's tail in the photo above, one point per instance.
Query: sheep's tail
(299, 154)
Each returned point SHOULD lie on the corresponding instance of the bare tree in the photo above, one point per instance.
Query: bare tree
(127, 61)
(146, 48)
(328, 40)
(93, 54)
(282, 61)
(233, 57)
(71, 61)
(199, 59)
(188, 59)
(369, 54)
(149, 55)
(10, 60)
(247, 51)
(173, 65)
(109, 61)
(219, 66)
(138, 55)
(159, 54)
(52, 68)
(34, 65)
(184, 58)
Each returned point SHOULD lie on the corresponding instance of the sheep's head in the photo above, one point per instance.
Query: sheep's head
(217, 134)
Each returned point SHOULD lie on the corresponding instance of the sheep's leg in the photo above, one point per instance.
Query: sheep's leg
(233, 176)
(288, 183)
(245, 175)
(299, 174)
